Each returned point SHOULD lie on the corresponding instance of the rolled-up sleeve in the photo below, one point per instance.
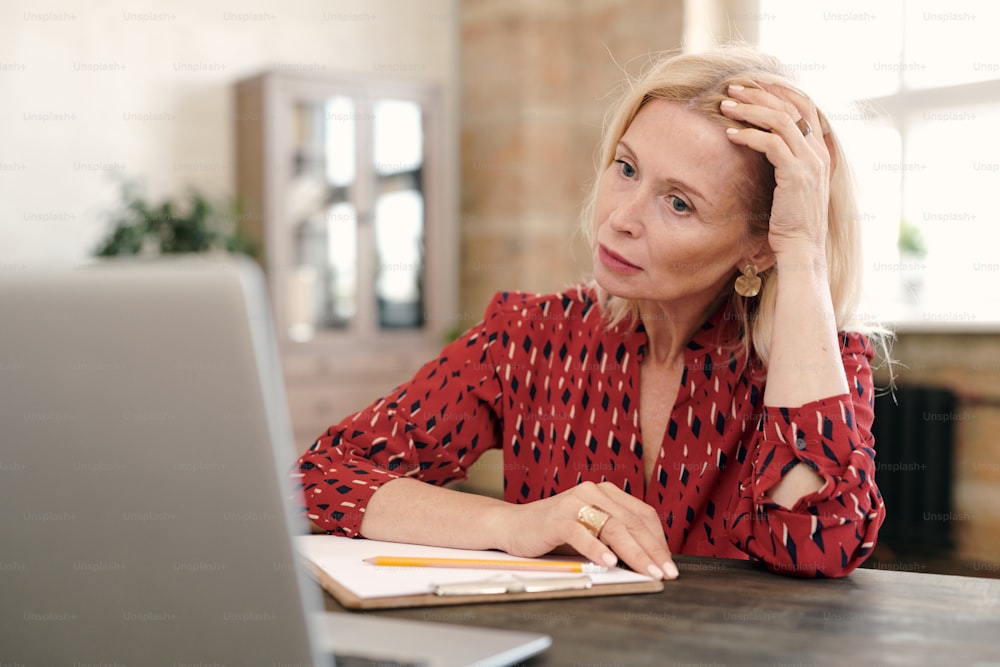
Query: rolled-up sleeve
(431, 428)
(830, 532)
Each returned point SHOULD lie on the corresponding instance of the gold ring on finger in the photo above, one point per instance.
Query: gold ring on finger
(593, 518)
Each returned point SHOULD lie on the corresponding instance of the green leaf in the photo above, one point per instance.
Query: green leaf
(193, 224)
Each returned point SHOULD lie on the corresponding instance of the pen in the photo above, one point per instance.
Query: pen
(487, 564)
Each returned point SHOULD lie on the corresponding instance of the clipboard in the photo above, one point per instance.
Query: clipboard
(337, 563)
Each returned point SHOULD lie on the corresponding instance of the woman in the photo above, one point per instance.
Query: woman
(708, 393)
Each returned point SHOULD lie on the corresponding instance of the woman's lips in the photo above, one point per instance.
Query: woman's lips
(616, 262)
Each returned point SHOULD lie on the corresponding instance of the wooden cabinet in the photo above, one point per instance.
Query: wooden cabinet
(346, 186)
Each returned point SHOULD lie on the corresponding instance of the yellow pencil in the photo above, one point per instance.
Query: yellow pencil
(486, 564)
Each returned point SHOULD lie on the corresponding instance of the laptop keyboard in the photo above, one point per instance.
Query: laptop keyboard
(347, 660)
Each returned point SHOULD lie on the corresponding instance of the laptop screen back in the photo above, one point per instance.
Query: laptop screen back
(143, 440)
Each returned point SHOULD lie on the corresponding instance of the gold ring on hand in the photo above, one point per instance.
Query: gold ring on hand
(593, 518)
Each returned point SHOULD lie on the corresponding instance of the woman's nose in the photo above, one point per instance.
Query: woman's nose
(628, 213)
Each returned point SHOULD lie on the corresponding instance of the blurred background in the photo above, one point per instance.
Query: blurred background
(392, 164)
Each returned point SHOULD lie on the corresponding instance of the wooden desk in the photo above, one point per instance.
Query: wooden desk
(724, 612)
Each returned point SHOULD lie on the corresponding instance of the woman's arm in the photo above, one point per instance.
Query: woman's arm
(805, 362)
(812, 506)
(830, 531)
(405, 510)
(431, 428)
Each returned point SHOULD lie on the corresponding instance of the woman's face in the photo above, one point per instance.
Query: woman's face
(669, 224)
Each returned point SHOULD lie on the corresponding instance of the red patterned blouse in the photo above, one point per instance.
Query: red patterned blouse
(543, 378)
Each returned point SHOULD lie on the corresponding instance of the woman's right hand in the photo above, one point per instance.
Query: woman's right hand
(633, 532)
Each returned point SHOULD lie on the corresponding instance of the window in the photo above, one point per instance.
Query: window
(913, 89)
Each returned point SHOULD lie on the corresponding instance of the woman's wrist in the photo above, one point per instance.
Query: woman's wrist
(801, 254)
(409, 510)
(499, 521)
(801, 259)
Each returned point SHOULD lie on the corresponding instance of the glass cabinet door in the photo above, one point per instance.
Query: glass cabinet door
(348, 187)
(355, 212)
(399, 213)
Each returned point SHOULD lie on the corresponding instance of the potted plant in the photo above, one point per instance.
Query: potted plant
(195, 224)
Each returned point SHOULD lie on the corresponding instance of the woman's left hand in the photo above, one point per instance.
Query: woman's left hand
(801, 159)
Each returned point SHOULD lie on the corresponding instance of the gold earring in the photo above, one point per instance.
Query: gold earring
(748, 283)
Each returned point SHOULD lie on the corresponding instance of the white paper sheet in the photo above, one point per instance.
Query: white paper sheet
(343, 558)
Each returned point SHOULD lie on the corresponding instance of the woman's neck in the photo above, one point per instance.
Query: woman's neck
(669, 328)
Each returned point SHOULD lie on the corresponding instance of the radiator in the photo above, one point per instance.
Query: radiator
(914, 441)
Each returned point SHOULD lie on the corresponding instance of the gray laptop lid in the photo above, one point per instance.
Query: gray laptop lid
(145, 507)
(141, 515)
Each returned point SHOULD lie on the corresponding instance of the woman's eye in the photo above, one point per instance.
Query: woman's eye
(628, 171)
(678, 205)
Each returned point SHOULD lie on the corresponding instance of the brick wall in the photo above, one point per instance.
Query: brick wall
(535, 79)
(969, 365)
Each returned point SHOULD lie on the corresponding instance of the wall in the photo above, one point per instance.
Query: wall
(968, 363)
(97, 92)
(535, 84)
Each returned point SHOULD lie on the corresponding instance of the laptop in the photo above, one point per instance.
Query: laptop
(146, 511)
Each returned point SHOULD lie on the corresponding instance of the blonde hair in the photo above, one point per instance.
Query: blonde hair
(699, 81)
